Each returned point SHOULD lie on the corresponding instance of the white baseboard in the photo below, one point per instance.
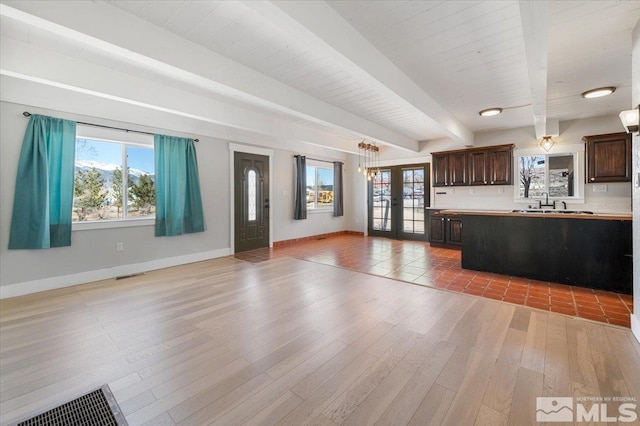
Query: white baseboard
(28, 287)
(635, 325)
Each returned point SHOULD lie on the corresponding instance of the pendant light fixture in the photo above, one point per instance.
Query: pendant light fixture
(368, 159)
(547, 143)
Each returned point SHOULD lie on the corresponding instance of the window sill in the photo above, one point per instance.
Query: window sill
(107, 224)
(568, 200)
(314, 211)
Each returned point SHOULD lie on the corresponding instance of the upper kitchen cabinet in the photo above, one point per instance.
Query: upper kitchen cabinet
(491, 165)
(458, 168)
(450, 168)
(478, 167)
(440, 169)
(501, 165)
(608, 157)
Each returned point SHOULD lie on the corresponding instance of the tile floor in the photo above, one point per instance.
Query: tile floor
(419, 263)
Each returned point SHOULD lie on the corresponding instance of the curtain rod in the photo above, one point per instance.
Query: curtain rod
(28, 114)
(316, 159)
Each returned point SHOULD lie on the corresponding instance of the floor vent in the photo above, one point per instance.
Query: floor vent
(97, 408)
(122, 277)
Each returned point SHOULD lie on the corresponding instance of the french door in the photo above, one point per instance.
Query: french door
(398, 197)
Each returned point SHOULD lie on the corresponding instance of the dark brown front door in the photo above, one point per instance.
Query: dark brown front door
(251, 198)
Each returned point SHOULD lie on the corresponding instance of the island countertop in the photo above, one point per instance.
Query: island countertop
(593, 251)
(550, 215)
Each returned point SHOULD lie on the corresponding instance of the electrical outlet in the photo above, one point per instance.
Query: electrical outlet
(119, 246)
(471, 191)
(599, 188)
(500, 190)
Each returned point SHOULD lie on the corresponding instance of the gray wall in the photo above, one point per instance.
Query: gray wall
(285, 227)
(95, 250)
(635, 95)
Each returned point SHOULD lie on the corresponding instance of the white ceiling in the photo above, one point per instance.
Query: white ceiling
(395, 72)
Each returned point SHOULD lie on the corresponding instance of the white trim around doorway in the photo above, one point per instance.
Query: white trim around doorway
(248, 149)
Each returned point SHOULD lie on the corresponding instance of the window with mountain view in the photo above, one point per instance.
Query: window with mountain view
(113, 181)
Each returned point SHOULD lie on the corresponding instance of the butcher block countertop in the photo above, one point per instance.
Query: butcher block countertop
(551, 215)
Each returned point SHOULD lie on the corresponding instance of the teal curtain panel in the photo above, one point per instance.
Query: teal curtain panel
(300, 192)
(44, 185)
(178, 200)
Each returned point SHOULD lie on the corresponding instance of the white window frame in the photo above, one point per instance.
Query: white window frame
(125, 139)
(577, 150)
(326, 166)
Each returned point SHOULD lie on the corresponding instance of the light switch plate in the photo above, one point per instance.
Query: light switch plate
(600, 188)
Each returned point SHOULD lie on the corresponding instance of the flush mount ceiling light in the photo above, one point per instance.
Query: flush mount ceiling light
(630, 119)
(599, 92)
(490, 111)
(547, 143)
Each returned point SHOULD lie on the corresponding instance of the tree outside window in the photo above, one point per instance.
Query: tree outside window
(107, 190)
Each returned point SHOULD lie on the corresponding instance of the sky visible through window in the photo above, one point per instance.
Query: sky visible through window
(111, 153)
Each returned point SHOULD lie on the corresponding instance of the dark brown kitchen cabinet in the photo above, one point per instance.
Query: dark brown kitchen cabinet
(445, 230)
(440, 170)
(608, 157)
(458, 168)
(477, 166)
(453, 230)
(436, 229)
(450, 168)
(501, 165)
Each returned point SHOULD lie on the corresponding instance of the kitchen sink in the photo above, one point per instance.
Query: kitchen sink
(552, 211)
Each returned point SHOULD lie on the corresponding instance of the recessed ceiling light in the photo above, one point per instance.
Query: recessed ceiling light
(599, 92)
(490, 111)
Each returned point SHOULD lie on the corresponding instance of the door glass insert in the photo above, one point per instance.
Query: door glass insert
(413, 201)
(251, 194)
(382, 201)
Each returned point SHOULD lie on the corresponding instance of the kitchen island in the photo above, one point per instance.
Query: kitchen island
(586, 250)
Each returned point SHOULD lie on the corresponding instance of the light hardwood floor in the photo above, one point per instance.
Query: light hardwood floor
(293, 342)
